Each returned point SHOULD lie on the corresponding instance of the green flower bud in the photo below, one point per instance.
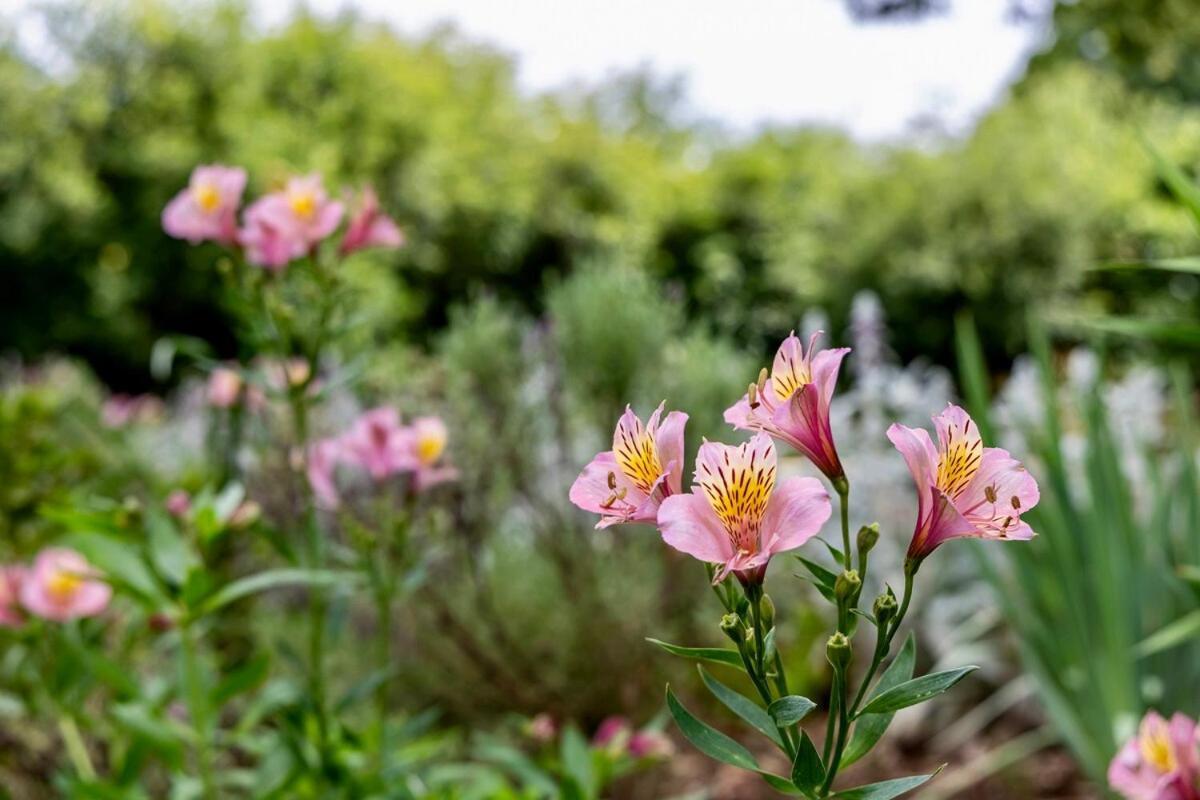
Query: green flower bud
(767, 609)
(847, 585)
(868, 535)
(838, 651)
(732, 626)
(885, 608)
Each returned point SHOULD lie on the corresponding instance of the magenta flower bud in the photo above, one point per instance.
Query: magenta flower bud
(791, 403)
(178, 503)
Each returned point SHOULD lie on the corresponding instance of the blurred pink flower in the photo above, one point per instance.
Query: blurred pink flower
(629, 482)
(323, 458)
(286, 225)
(963, 488)
(224, 387)
(427, 438)
(613, 732)
(178, 503)
(377, 443)
(61, 585)
(735, 515)
(370, 227)
(543, 728)
(207, 208)
(11, 578)
(792, 403)
(1161, 763)
(651, 744)
(120, 410)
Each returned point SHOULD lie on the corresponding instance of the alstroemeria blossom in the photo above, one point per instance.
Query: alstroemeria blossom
(370, 227)
(207, 208)
(427, 437)
(1161, 763)
(736, 516)
(11, 578)
(629, 482)
(285, 225)
(61, 585)
(963, 488)
(224, 387)
(791, 403)
(378, 443)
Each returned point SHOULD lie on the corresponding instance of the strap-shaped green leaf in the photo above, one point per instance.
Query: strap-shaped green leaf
(790, 710)
(870, 728)
(884, 790)
(709, 740)
(916, 691)
(715, 655)
(808, 772)
(743, 706)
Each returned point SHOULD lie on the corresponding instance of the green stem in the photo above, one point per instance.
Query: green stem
(842, 486)
(197, 702)
(75, 747)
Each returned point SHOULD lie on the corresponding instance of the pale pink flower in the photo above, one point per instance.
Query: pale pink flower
(736, 516)
(792, 402)
(629, 482)
(207, 208)
(285, 225)
(224, 387)
(178, 503)
(543, 728)
(377, 443)
(613, 733)
(120, 410)
(61, 585)
(963, 488)
(11, 578)
(427, 438)
(651, 744)
(1161, 763)
(323, 458)
(370, 227)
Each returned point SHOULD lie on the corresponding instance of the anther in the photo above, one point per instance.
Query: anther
(762, 379)
(612, 480)
(752, 394)
(1016, 501)
(988, 491)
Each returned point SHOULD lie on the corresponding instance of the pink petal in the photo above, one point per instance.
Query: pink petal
(825, 367)
(670, 443)
(688, 524)
(795, 514)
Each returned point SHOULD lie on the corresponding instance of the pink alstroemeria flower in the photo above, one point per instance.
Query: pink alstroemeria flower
(270, 241)
(370, 227)
(379, 444)
(792, 402)
(207, 208)
(62, 586)
(735, 515)
(323, 459)
(629, 482)
(427, 437)
(1161, 763)
(963, 488)
(224, 387)
(11, 578)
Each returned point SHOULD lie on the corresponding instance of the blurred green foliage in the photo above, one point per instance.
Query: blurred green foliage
(501, 192)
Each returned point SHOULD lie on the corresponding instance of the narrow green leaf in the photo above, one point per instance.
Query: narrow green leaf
(273, 579)
(781, 784)
(708, 740)
(870, 728)
(576, 759)
(916, 691)
(790, 710)
(824, 576)
(1185, 264)
(743, 706)
(715, 655)
(885, 790)
(808, 772)
(170, 554)
(247, 676)
(1176, 633)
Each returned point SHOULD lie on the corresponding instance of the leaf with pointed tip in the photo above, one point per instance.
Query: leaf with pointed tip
(807, 770)
(709, 740)
(715, 655)
(790, 710)
(916, 691)
(743, 706)
(824, 576)
(885, 790)
(870, 728)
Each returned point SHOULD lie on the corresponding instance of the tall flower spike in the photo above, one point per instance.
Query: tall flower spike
(963, 488)
(629, 482)
(1161, 763)
(791, 402)
(736, 516)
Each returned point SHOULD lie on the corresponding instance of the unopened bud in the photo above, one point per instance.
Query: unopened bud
(847, 585)
(766, 608)
(885, 608)
(732, 626)
(868, 535)
(837, 650)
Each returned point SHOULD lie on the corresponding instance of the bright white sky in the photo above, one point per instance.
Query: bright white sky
(779, 61)
(745, 64)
